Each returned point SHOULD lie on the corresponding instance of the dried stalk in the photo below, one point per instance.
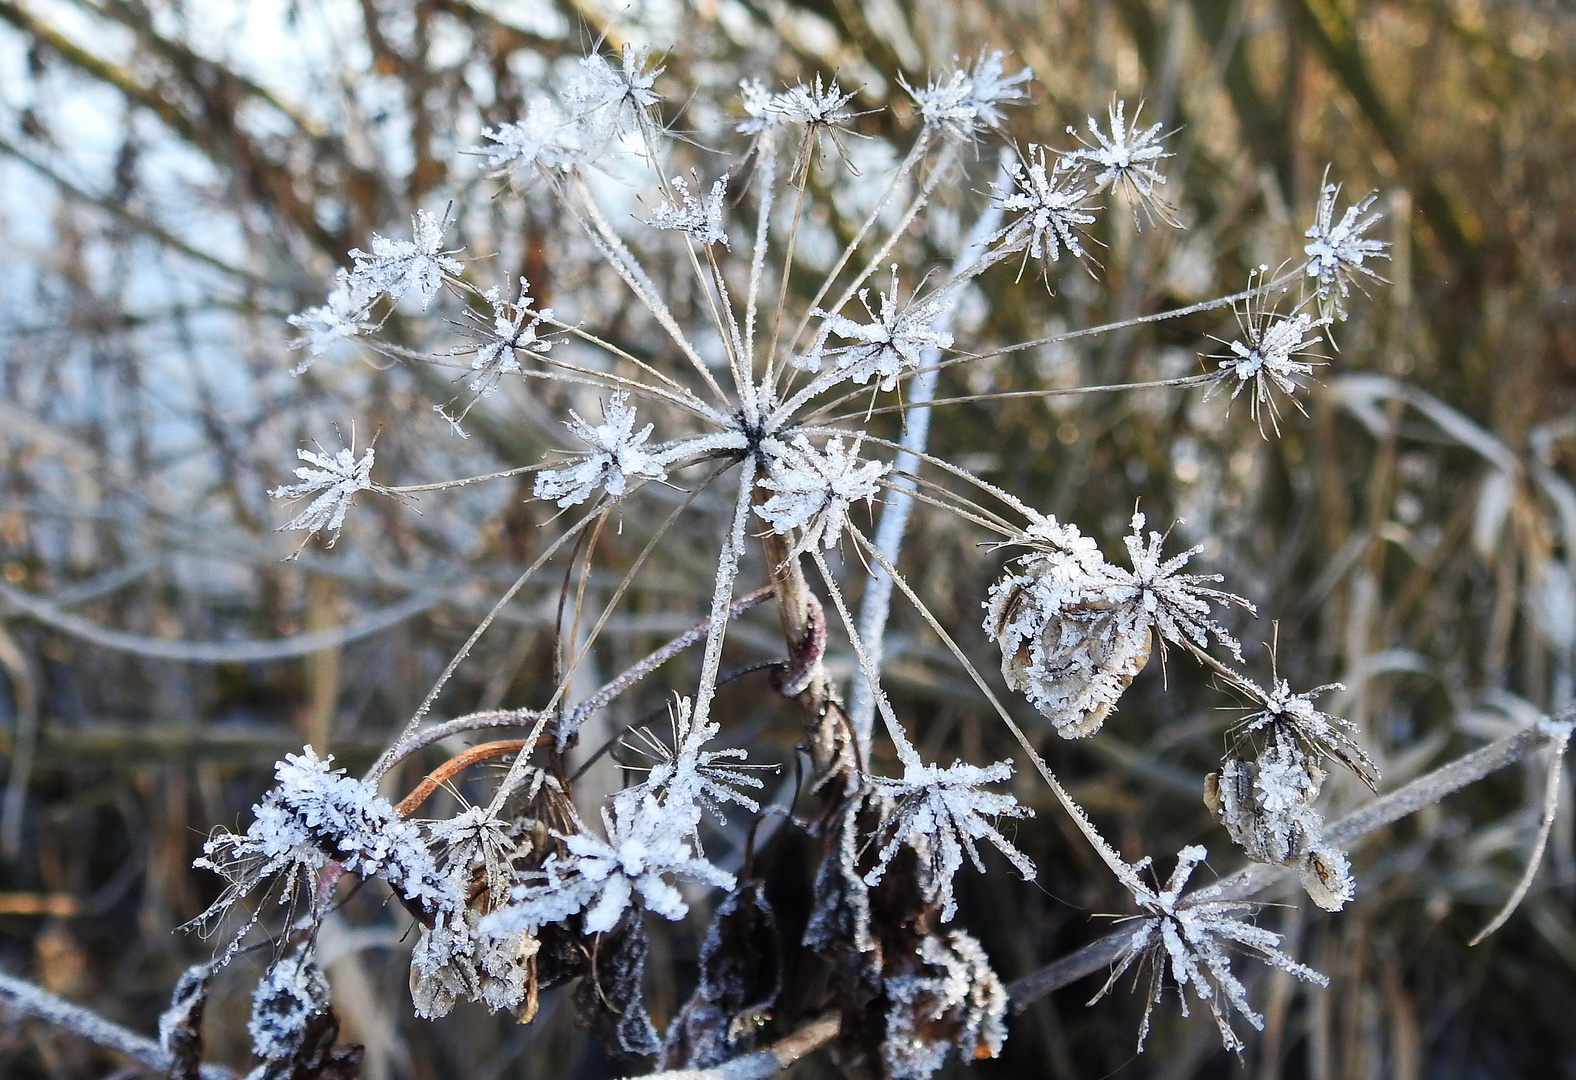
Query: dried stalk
(24, 997)
(764, 1063)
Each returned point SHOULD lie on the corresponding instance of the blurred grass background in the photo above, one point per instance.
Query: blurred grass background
(179, 176)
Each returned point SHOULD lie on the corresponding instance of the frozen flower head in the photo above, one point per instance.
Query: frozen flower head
(648, 845)
(1264, 360)
(950, 1000)
(396, 267)
(334, 479)
(1069, 641)
(1177, 603)
(1051, 208)
(813, 489)
(618, 455)
(511, 331)
(284, 1002)
(1337, 252)
(756, 101)
(342, 316)
(944, 813)
(317, 819)
(686, 773)
(969, 101)
(539, 144)
(1192, 936)
(893, 342)
(598, 86)
(1126, 160)
(701, 218)
(1282, 713)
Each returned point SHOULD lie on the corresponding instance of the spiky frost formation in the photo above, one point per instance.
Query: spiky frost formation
(619, 455)
(1193, 938)
(969, 100)
(512, 331)
(1051, 208)
(1126, 160)
(453, 961)
(395, 267)
(648, 844)
(315, 815)
(700, 217)
(893, 342)
(1267, 803)
(1338, 253)
(342, 316)
(335, 481)
(1177, 604)
(813, 489)
(1264, 359)
(690, 775)
(952, 1001)
(541, 143)
(943, 812)
(820, 106)
(1066, 644)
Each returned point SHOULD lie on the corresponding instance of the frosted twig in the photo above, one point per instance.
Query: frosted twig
(24, 997)
(763, 1063)
(876, 605)
(1551, 799)
(218, 652)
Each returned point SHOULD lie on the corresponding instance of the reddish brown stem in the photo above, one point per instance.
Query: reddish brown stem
(429, 783)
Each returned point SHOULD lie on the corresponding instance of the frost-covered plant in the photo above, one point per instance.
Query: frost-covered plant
(752, 399)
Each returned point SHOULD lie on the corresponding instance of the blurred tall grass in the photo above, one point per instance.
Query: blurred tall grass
(178, 177)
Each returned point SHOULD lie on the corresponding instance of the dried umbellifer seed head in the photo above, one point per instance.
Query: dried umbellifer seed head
(1076, 662)
(1327, 878)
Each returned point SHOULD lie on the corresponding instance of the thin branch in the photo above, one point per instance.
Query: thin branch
(226, 652)
(763, 1063)
(24, 997)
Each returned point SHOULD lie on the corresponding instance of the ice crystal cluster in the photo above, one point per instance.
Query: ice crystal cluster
(750, 391)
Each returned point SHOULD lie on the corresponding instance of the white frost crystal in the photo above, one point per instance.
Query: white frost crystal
(619, 455)
(512, 331)
(287, 997)
(1338, 253)
(1126, 160)
(1266, 359)
(334, 481)
(1051, 208)
(893, 342)
(969, 101)
(945, 811)
(701, 218)
(342, 316)
(396, 267)
(953, 1001)
(813, 489)
(1191, 937)
(647, 845)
